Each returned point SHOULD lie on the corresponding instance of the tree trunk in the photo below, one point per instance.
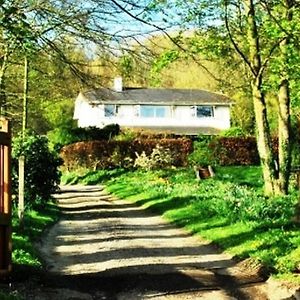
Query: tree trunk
(284, 143)
(263, 140)
(25, 97)
(260, 109)
(284, 123)
(2, 84)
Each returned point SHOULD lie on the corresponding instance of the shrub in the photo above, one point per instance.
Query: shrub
(159, 158)
(245, 204)
(112, 154)
(142, 161)
(125, 134)
(96, 134)
(238, 150)
(41, 167)
(202, 154)
(131, 134)
(62, 136)
(235, 150)
(233, 132)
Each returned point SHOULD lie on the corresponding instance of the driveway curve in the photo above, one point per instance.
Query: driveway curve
(106, 248)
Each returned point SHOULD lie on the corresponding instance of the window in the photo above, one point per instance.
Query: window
(204, 111)
(110, 110)
(153, 111)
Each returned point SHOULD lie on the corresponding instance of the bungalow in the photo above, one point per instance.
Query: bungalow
(178, 111)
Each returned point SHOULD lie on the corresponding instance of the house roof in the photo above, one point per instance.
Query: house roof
(154, 96)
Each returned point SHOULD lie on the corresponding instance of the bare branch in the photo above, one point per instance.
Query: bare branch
(235, 45)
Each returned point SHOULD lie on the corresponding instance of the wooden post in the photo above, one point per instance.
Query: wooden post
(5, 198)
(21, 188)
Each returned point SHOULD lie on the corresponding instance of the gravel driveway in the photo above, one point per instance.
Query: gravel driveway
(105, 248)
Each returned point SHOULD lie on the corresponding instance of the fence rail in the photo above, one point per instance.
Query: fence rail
(5, 197)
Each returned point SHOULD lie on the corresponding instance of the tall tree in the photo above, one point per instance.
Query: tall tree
(261, 34)
(284, 122)
(42, 27)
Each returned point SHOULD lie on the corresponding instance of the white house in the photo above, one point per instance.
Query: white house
(179, 111)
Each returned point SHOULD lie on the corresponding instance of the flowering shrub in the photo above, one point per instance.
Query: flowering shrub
(159, 158)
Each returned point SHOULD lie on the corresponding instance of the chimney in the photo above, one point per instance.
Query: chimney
(118, 84)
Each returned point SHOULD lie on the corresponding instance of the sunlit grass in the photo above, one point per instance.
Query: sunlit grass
(35, 222)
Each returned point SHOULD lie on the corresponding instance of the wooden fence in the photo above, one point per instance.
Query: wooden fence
(5, 198)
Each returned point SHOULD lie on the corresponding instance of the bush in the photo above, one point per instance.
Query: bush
(202, 154)
(96, 134)
(159, 158)
(233, 132)
(235, 151)
(112, 154)
(244, 204)
(41, 168)
(62, 136)
(131, 134)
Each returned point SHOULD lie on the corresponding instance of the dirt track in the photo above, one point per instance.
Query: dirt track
(105, 248)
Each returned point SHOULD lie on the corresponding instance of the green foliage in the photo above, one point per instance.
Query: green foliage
(164, 60)
(233, 132)
(35, 222)
(127, 134)
(96, 134)
(202, 154)
(90, 177)
(250, 176)
(126, 66)
(41, 168)
(66, 135)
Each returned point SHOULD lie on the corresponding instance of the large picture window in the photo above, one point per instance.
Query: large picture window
(204, 111)
(110, 110)
(153, 111)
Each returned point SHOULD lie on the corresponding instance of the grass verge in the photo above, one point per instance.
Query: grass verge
(35, 222)
(229, 210)
(24, 235)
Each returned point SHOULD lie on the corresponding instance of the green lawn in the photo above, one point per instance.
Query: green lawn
(229, 210)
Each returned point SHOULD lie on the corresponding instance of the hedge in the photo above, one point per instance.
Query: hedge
(111, 154)
(238, 150)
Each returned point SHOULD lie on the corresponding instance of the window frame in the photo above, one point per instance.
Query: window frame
(114, 111)
(155, 111)
(210, 107)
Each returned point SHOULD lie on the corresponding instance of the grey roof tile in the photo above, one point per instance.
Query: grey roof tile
(155, 96)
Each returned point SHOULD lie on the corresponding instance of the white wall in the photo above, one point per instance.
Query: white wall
(181, 116)
(88, 115)
(222, 115)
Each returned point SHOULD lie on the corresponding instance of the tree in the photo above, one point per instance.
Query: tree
(276, 172)
(261, 33)
(40, 27)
